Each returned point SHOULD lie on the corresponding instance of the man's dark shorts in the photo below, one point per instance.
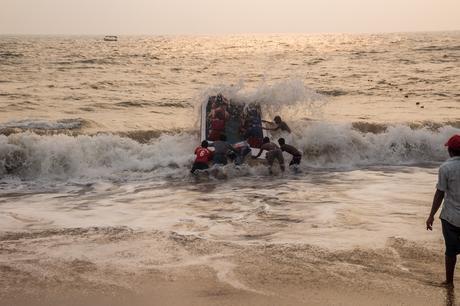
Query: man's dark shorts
(220, 159)
(451, 237)
(199, 166)
(295, 160)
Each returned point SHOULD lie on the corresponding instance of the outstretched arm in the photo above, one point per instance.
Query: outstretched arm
(260, 153)
(277, 127)
(231, 148)
(437, 201)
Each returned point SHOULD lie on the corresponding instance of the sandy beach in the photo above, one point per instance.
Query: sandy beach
(119, 266)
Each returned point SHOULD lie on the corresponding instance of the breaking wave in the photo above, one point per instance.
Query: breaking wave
(341, 145)
(325, 145)
(59, 157)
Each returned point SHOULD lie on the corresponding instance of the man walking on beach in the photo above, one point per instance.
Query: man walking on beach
(448, 189)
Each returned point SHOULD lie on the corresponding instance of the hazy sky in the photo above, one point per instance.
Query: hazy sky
(225, 16)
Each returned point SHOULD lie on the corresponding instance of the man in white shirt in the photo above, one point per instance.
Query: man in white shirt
(448, 189)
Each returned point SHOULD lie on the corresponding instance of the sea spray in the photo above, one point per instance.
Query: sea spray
(61, 157)
(324, 145)
(290, 98)
(340, 145)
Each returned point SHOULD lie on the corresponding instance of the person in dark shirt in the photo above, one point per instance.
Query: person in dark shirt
(279, 125)
(296, 155)
(254, 135)
(221, 149)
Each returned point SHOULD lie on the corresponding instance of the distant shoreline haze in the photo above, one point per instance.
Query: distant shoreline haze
(222, 34)
(206, 17)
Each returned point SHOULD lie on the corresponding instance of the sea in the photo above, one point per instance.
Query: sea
(100, 136)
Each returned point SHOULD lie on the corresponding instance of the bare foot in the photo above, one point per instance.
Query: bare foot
(447, 284)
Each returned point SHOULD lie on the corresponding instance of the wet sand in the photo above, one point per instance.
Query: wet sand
(120, 266)
(326, 238)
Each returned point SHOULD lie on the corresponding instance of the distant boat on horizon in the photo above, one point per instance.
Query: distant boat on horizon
(111, 38)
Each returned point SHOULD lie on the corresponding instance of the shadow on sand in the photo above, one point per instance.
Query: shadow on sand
(450, 296)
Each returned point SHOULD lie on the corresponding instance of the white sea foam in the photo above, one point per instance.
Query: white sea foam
(62, 157)
(325, 145)
(290, 98)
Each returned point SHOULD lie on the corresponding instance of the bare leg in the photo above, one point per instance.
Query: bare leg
(450, 269)
(270, 160)
(281, 160)
(282, 167)
(450, 296)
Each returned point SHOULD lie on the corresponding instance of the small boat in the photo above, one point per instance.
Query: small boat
(111, 38)
(240, 122)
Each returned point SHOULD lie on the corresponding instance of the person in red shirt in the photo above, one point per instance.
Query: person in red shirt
(203, 156)
(217, 127)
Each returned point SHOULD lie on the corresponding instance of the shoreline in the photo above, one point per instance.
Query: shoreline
(119, 266)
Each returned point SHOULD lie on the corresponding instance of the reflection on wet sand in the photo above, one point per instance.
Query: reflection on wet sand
(450, 296)
(325, 238)
(117, 262)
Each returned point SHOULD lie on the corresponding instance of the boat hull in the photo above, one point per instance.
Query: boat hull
(239, 122)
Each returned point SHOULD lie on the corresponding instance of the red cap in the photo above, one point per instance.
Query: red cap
(453, 142)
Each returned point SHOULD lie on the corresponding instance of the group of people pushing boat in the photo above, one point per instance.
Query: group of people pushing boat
(240, 125)
(238, 152)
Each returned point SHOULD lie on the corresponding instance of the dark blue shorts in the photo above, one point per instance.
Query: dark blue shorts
(295, 160)
(220, 159)
(451, 238)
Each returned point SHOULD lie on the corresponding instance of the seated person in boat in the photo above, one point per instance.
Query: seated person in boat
(253, 128)
(234, 124)
(219, 105)
(273, 152)
(296, 155)
(218, 117)
(278, 125)
(203, 156)
(217, 127)
(221, 150)
(254, 135)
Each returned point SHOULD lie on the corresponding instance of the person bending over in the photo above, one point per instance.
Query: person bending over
(448, 189)
(203, 156)
(296, 155)
(243, 150)
(273, 152)
(221, 149)
(279, 125)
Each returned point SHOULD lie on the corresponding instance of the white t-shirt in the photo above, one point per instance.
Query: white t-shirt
(449, 182)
